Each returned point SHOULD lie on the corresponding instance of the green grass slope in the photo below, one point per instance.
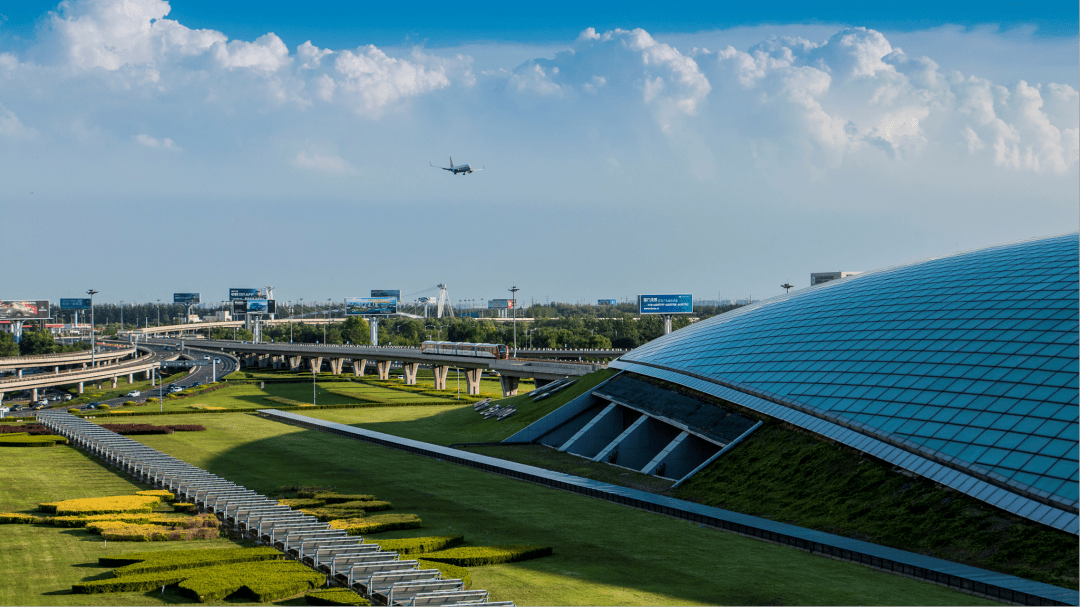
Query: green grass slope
(605, 554)
(789, 476)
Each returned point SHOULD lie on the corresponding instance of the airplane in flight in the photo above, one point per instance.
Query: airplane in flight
(464, 169)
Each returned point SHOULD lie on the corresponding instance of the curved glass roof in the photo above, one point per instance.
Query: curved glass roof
(973, 356)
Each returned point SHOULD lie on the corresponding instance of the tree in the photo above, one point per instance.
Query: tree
(356, 331)
(36, 342)
(8, 347)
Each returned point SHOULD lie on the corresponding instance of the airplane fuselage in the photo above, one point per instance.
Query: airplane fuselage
(464, 168)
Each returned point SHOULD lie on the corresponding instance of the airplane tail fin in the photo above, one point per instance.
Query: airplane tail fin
(451, 162)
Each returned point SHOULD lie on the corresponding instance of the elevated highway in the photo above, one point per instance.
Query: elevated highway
(222, 324)
(144, 360)
(313, 357)
(63, 359)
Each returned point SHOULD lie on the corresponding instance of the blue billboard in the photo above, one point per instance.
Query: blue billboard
(75, 303)
(666, 304)
(186, 298)
(235, 294)
(381, 293)
(606, 302)
(370, 306)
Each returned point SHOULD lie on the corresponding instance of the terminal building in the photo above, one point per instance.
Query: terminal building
(961, 369)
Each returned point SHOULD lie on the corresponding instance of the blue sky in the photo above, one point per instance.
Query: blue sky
(629, 148)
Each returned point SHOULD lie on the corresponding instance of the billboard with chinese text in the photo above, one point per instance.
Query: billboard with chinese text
(370, 306)
(186, 298)
(235, 294)
(666, 304)
(75, 303)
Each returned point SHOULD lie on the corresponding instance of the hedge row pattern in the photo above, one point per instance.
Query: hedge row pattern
(419, 545)
(163, 494)
(25, 440)
(448, 571)
(377, 523)
(31, 428)
(128, 532)
(148, 562)
(183, 506)
(134, 429)
(18, 518)
(335, 596)
(473, 556)
(102, 505)
(262, 581)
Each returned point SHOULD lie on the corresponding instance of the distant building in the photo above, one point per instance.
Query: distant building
(817, 278)
(221, 316)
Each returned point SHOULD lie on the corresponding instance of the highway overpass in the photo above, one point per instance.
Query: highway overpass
(63, 359)
(313, 357)
(144, 360)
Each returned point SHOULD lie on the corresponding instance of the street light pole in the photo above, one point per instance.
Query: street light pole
(513, 290)
(159, 312)
(121, 316)
(93, 343)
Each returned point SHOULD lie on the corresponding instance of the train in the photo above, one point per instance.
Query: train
(454, 348)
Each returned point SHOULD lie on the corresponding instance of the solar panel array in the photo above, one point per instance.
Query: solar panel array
(973, 356)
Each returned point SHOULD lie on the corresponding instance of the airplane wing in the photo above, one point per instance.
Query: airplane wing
(443, 168)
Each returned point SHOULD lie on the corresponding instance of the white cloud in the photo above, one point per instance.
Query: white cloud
(13, 128)
(324, 163)
(150, 142)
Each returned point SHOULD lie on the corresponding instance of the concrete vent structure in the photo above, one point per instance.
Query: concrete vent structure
(641, 426)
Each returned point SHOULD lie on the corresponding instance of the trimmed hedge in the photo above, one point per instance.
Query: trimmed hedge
(335, 596)
(448, 571)
(18, 518)
(138, 563)
(302, 503)
(162, 494)
(341, 498)
(183, 507)
(263, 581)
(33, 429)
(102, 505)
(24, 440)
(473, 556)
(419, 545)
(129, 532)
(82, 521)
(377, 523)
(147, 562)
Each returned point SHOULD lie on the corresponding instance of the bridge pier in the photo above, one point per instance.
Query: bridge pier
(114, 381)
(56, 369)
(279, 362)
(33, 394)
(440, 372)
(294, 363)
(336, 364)
(473, 377)
(264, 361)
(18, 372)
(148, 373)
(409, 371)
(80, 387)
(384, 369)
(131, 378)
(359, 365)
(315, 363)
(540, 383)
(509, 385)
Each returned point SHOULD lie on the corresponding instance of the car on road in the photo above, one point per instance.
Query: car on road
(134, 393)
(68, 397)
(92, 405)
(217, 360)
(206, 358)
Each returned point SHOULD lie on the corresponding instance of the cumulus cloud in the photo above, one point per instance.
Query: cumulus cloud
(13, 128)
(150, 142)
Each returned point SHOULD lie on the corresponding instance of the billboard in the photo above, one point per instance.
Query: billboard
(383, 293)
(75, 303)
(235, 294)
(606, 302)
(186, 298)
(370, 306)
(24, 310)
(666, 304)
(255, 306)
(501, 304)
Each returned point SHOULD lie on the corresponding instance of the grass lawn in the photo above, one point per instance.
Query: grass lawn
(424, 378)
(446, 426)
(605, 554)
(41, 562)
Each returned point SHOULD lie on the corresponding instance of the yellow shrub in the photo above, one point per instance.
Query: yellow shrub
(102, 505)
(164, 494)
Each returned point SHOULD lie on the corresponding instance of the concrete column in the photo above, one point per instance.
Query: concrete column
(509, 385)
(279, 362)
(33, 394)
(473, 377)
(359, 365)
(410, 372)
(80, 387)
(264, 361)
(440, 376)
(384, 369)
(336, 364)
(148, 374)
(540, 383)
(19, 373)
(315, 363)
(114, 381)
(84, 365)
(56, 369)
(131, 378)
(294, 362)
